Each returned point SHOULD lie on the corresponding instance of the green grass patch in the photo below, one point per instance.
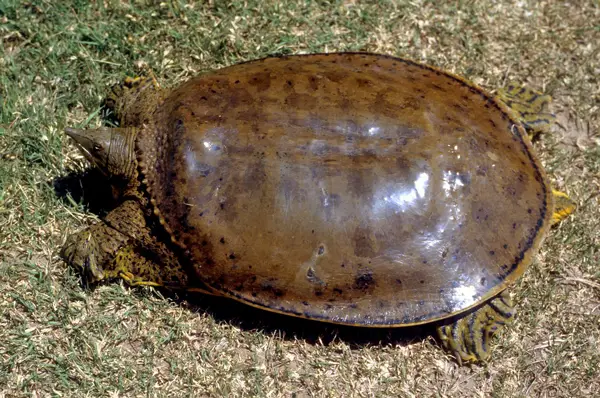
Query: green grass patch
(58, 60)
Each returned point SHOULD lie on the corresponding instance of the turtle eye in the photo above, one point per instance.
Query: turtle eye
(97, 148)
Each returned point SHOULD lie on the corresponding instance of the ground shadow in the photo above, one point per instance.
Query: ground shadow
(91, 188)
(245, 317)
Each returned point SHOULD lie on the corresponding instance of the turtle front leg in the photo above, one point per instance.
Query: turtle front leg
(122, 247)
(89, 250)
(468, 338)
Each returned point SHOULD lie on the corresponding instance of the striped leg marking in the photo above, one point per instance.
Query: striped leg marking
(468, 338)
(531, 107)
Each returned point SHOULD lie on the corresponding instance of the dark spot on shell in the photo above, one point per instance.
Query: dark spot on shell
(305, 303)
(492, 252)
(364, 279)
(318, 293)
(421, 282)
(222, 240)
(353, 306)
(529, 211)
(361, 82)
(321, 250)
(313, 278)
(337, 290)
(398, 281)
(482, 281)
(232, 256)
(262, 81)
(505, 246)
(268, 287)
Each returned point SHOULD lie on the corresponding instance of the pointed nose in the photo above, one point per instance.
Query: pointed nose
(74, 133)
(84, 139)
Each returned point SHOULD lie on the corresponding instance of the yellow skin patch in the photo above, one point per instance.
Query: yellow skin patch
(563, 206)
(107, 250)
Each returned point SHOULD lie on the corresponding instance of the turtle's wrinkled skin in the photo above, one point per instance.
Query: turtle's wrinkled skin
(350, 188)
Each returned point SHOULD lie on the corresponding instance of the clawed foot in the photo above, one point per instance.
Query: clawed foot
(468, 338)
(82, 251)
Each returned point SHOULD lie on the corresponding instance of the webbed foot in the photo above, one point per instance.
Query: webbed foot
(531, 107)
(82, 252)
(469, 336)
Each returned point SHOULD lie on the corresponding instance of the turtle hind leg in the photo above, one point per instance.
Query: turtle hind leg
(563, 206)
(469, 336)
(531, 107)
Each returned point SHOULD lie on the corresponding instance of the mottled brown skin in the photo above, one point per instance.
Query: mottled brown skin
(351, 188)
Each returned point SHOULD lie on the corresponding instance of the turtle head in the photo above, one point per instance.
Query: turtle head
(112, 150)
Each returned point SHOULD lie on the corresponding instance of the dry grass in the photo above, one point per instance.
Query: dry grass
(57, 339)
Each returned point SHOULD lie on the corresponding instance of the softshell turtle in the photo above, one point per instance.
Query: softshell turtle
(351, 188)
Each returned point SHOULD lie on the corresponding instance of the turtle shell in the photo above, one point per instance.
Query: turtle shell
(352, 188)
